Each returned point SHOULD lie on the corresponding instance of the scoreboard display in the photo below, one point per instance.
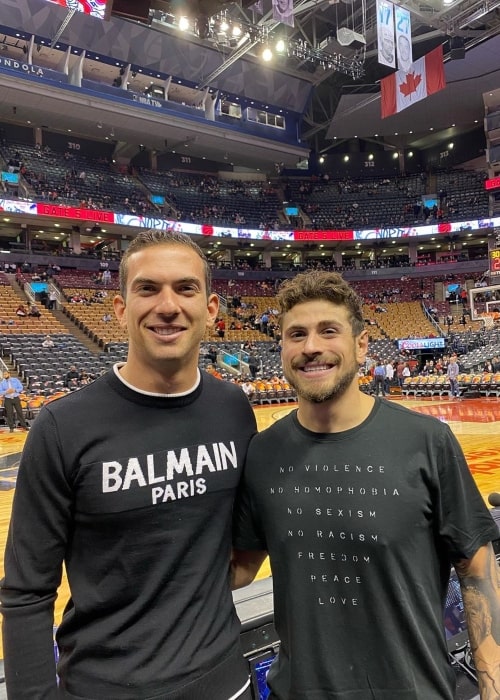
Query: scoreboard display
(494, 258)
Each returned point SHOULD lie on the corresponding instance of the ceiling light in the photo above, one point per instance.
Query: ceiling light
(183, 24)
(267, 54)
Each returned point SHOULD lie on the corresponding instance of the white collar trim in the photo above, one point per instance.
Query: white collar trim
(118, 365)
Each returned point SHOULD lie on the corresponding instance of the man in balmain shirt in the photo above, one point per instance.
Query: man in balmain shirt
(130, 482)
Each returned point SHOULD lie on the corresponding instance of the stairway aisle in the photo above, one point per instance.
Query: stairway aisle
(77, 332)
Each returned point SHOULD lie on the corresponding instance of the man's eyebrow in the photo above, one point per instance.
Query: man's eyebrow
(320, 324)
(143, 280)
(182, 280)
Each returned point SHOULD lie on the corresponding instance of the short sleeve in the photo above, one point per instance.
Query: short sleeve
(465, 523)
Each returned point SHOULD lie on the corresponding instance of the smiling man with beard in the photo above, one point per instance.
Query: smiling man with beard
(362, 506)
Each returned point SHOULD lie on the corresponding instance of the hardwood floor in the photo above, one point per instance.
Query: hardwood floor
(475, 422)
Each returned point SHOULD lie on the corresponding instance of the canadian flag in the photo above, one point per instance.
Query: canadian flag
(424, 77)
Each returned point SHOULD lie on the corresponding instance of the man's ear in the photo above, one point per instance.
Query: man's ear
(119, 307)
(212, 308)
(362, 347)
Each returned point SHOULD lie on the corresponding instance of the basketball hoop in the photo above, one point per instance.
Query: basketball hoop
(488, 321)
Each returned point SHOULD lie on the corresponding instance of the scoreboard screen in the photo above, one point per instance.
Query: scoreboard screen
(494, 258)
(96, 8)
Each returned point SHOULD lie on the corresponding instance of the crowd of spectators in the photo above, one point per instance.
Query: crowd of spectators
(74, 179)
(68, 177)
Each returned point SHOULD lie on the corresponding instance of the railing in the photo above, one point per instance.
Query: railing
(228, 362)
(222, 304)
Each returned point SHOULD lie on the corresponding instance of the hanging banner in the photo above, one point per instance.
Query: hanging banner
(401, 90)
(96, 8)
(385, 33)
(283, 12)
(403, 38)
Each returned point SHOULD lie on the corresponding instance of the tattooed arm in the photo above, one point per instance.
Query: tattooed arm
(480, 584)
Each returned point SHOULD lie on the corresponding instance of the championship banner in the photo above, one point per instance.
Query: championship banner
(385, 33)
(283, 12)
(403, 38)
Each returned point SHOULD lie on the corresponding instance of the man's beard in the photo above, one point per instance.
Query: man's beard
(327, 393)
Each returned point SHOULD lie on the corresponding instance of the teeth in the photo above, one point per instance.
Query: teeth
(315, 368)
(166, 331)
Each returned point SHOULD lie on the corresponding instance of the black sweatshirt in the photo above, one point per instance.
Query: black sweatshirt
(134, 493)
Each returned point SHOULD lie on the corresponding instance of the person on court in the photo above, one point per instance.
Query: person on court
(363, 506)
(129, 482)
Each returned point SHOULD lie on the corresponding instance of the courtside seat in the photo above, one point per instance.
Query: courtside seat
(431, 381)
(494, 389)
(264, 398)
(441, 386)
(476, 380)
(464, 380)
(365, 383)
(421, 388)
(406, 385)
(484, 385)
(412, 387)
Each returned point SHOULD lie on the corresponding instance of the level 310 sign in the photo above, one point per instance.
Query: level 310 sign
(494, 256)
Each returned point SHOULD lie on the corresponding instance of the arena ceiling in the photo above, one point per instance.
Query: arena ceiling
(339, 107)
(342, 107)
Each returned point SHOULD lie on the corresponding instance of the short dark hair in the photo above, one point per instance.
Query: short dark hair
(318, 284)
(153, 237)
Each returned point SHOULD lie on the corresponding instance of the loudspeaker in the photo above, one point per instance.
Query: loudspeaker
(457, 48)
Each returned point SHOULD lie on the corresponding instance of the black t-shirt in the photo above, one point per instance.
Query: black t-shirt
(361, 527)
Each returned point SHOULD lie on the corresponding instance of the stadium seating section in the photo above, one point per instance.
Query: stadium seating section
(71, 178)
(393, 310)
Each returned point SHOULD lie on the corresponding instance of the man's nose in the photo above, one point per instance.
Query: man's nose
(312, 344)
(168, 302)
